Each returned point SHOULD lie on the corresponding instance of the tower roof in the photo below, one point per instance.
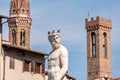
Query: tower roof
(20, 8)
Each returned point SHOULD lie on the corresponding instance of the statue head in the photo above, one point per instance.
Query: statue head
(54, 38)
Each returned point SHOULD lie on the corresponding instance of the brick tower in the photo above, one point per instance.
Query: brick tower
(98, 47)
(20, 23)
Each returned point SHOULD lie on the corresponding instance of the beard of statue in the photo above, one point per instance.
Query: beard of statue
(55, 45)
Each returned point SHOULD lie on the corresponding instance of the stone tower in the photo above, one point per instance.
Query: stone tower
(98, 47)
(19, 23)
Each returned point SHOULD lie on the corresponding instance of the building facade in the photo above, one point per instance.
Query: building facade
(20, 63)
(98, 47)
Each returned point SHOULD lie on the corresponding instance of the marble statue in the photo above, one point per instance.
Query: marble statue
(58, 58)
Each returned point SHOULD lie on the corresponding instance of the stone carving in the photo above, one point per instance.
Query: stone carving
(58, 58)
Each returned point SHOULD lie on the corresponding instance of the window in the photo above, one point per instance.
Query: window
(14, 10)
(104, 45)
(93, 44)
(12, 63)
(13, 37)
(37, 67)
(26, 65)
(22, 38)
(23, 10)
(32, 66)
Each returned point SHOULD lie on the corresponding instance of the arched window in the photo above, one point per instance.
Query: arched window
(93, 44)
(22, 38)
(13, 37)
(104, 45)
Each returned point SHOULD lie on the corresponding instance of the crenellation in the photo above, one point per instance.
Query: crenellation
(99, 22)
(98, 18)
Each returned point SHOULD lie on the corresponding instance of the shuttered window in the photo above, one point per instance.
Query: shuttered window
(32, 66)
(12, 63)
(26, 65)
(37, 67)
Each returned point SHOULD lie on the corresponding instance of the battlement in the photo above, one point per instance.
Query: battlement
(99, 22)
(98, 18)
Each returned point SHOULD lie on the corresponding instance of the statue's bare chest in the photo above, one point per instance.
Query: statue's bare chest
(54, 55)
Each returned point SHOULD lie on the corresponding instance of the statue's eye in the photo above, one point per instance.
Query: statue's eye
(53, 36)
(57, 37)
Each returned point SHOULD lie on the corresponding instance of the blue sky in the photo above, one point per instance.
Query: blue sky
(69, 16)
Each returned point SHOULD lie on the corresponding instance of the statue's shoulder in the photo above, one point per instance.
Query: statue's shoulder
(63, 49)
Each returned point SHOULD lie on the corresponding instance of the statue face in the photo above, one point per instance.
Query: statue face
(54, 38)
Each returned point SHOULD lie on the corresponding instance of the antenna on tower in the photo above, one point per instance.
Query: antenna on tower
(109, 16)
(88, 15)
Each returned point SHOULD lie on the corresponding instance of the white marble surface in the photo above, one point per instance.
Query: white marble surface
(58, 58)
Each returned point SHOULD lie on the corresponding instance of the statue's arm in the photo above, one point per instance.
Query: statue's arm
(64, 63)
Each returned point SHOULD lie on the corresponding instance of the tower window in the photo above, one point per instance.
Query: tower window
(14, 10)
(13, 37)
(93, 44)
(22, 38)
(23, 10)
(104, 45)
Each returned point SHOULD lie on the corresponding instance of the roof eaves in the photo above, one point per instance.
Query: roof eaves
(28, 50)
(2, 16)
